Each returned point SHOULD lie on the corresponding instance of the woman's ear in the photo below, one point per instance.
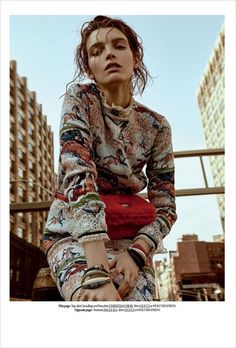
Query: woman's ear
(91, 76)
(136, 62)
(89, 73)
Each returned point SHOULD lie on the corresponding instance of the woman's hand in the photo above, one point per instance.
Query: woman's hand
(125, 265)
(105, 292)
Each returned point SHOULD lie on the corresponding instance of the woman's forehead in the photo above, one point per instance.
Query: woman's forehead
(103, 35)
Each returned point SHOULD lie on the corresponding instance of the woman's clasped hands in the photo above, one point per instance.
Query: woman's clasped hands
(123, 264)
(106, 292)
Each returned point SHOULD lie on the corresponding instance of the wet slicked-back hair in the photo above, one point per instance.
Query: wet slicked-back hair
(140, 75)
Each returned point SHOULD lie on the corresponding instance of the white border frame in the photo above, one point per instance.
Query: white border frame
(33, 324)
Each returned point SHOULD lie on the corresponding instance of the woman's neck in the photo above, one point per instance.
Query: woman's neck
(118, 96)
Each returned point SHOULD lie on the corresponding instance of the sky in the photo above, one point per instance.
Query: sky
(176, 52)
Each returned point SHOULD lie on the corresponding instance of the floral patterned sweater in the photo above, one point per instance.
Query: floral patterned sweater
(105, 149)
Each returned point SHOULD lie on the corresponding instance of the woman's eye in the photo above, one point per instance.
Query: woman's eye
(120, 47)
(95, 52)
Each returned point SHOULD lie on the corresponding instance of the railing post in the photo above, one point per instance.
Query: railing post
(203, 171)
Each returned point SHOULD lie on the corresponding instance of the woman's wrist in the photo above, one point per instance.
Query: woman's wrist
(94, 277)
(146, 248)
(95, 254)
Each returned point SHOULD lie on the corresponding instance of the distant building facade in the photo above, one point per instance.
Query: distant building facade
(32, 175)
(198, 268)
(163, 283)
(210, 96)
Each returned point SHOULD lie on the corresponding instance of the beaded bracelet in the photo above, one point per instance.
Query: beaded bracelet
(97, 268)
(92, 273)
(140, 252)
(137, 258)
(96, 283)
(140, 247)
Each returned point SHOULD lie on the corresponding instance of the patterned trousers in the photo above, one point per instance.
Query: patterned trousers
(67, 262)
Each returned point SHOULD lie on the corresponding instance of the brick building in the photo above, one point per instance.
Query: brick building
(32, 175)
(32, 179)
(198, 268)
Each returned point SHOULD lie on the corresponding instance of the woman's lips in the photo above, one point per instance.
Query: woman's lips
(112, 66)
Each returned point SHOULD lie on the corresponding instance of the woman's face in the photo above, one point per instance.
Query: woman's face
(110, 59)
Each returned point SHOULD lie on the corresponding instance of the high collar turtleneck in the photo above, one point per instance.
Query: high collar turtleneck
(116, 110)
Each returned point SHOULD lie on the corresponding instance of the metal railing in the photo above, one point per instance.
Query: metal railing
(204, 190)
(43, 206)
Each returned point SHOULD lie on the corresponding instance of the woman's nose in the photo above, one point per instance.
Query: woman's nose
(110, 54)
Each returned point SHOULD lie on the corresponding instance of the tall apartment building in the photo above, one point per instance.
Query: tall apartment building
(197, 265)
(210, 96)
(32, 175)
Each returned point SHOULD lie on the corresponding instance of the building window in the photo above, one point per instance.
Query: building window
(219, 131)
(20, 153)
(30, 198)
(222, 106)
(19, 118)
(30, 238)
(216, 77)
(20, 103)
(222, 143)
(20, 172)
(19, 85)
(20, 136)
(19, 232)
(29, 115)
(30, 148)
(211, 125)
(38, 109)
(17, 276)
(29, 100)
(31, 165)
(219, 165)
(21, 192)
(30, 131)
(216, 116)
(211, 90)
(222, 181)
(213, 138)
(20, 215)
(219, 91)
(208, 112)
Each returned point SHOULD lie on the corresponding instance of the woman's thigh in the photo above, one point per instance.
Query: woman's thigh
(67, 262)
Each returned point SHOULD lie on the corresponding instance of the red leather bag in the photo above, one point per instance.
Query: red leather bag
(126, 214)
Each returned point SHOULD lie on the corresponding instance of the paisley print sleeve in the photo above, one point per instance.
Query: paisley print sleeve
(161, 190)
(77, 208)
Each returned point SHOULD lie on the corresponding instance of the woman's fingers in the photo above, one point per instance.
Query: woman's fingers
(125, 287)
(127, 284)
(113, 262)
(113, 270)
(124, 265)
